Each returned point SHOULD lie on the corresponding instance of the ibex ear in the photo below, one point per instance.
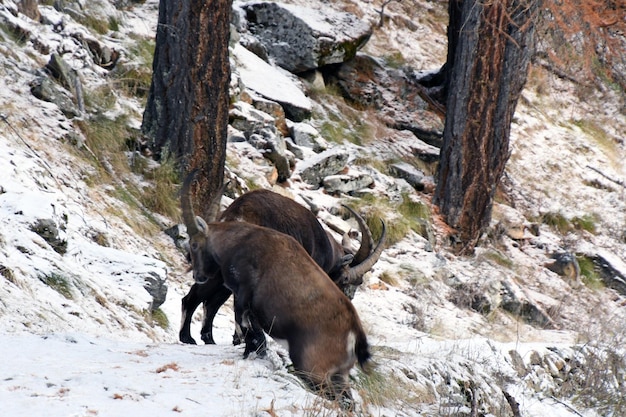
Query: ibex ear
(346, 259)
(202, 225)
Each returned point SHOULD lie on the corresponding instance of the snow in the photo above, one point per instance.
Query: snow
(270, 82)
(78, 375)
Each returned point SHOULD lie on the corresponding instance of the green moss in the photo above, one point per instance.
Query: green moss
(557, 221)
(399, 218)
(160, 318)
(588, 273)
(499, 258)
(586, 222)
(59, 283)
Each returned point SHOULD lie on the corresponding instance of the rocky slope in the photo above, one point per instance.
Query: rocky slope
(498, 333)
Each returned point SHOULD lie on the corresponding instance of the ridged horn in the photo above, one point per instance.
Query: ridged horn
(185, 202)
(367, 242)
(365, 258)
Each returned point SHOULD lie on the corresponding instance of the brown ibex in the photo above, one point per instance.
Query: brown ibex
(269, 209)
(280, 289)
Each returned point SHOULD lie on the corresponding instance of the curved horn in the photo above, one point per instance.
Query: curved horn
(367, 242)
(355, 274)
(214, 208)
(185, 202)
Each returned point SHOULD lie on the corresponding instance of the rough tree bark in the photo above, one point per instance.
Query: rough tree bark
(186, 116)
(492, 45)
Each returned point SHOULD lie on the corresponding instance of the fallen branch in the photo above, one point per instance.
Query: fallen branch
(618, 182)
(512, 403)
(569, 407)
(382, 11)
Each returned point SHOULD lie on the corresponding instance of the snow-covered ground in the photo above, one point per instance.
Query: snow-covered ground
(78, 338)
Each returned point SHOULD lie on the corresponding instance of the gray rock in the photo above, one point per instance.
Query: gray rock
(245, 118)
(68, 77)
(516, 302)
(347, 183)
(612, 270)
(49, 231)
(408, 172)
(367, 82)
(314, 170)
(44, 89)
(300, 39)
(303, 134)
(61, 71)
(156, 287)
(566, 265)
(272, 83)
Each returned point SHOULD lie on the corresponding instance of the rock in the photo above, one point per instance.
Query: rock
(612, 270)
(247, 119)
(146, 277)
(178, 233)
(272, 83)
(67, 77)
(303, 134)
(516, 302)
(156, 287)
(300, 39)
(29, 8)
(44, 89)
(273, 109)
(346, 183)
(366, 82)
(49, 231)
(566, 265)
(62, 71)
(314, 170)
(408, 172)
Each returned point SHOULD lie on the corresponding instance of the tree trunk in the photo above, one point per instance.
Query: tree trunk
(186, 115)
(491, 58)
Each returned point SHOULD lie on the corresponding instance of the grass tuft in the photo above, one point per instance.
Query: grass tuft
(588, 273)
(159, 317)
(161, 195)
(59, 283)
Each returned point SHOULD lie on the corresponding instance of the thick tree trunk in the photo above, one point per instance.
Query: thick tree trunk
(186, 115)
(491, 57)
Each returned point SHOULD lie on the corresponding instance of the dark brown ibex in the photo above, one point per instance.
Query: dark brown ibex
(281, 290)
(269, 209)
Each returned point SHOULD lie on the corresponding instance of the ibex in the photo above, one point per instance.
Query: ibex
(280, 289)
(269, 209)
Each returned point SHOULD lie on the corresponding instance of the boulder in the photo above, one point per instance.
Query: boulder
(517, 302)
(566, 265)
(369, 83)
(408, 172)
(612, 270)
(347, 183)
(272, 83)
(303, 134)
(49, 231)
(314, 170)
(44, 89)
(299, 39)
